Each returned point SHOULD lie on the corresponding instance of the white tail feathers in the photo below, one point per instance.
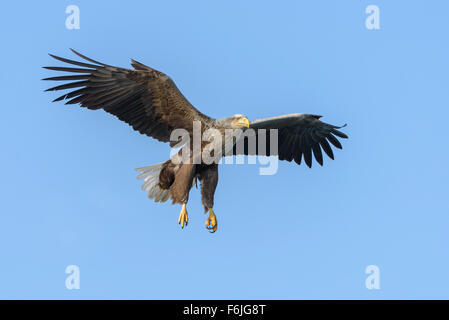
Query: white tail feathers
(150, 176)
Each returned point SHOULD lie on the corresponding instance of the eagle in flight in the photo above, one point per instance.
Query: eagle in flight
(149, 101)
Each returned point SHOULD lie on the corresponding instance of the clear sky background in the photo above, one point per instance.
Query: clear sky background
(69, 193)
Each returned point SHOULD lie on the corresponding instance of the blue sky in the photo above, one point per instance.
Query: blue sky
(69, 193)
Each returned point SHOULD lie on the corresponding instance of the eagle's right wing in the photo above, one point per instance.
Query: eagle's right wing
(146, 99)
(299, 135)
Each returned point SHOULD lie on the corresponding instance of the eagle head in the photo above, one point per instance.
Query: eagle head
(237, 121)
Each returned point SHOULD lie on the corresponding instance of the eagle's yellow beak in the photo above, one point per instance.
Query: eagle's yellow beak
(243, 122)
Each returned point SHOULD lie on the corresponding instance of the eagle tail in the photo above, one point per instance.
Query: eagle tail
(150, 176)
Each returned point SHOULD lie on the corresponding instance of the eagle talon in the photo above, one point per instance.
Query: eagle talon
(211, 221)
(183, 216)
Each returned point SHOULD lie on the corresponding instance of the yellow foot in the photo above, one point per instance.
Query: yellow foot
(211, 222)
(183, 217)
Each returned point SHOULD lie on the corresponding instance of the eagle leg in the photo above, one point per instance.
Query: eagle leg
(211, 222)
(183, 216)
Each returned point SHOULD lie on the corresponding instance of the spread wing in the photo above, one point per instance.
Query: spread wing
(299, 135)
(146, 99)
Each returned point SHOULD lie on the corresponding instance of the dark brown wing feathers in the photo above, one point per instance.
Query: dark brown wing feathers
(145, 98)
(300, 137)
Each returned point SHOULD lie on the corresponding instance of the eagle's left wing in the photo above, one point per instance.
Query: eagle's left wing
(145, 98)
(299, 135)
